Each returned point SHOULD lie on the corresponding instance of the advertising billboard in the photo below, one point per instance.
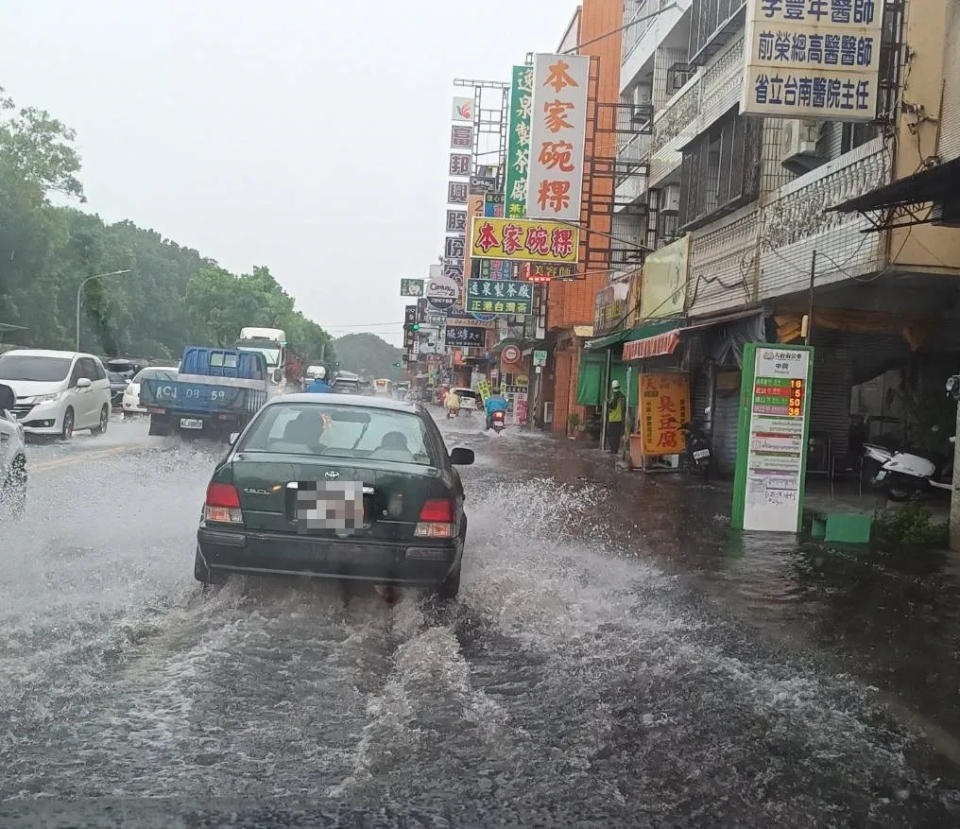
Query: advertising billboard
(818, 59)
(558, 127)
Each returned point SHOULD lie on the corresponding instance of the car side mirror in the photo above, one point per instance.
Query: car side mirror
(461, 456)
(83, 383)
(7, 398)
(234, 436)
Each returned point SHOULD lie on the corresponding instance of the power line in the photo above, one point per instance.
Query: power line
(605, 35)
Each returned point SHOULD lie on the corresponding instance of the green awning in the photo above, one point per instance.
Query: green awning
(648, 329)
(590, 380)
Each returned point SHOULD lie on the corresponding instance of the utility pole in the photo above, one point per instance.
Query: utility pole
(954, 388)
(80, 291)
(813, 277)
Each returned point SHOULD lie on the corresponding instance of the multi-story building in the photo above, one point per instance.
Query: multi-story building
(570, 304)
(739, 211)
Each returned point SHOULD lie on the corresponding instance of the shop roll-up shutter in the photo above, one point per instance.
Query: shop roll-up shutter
(830, 403)
(590, 378)
(726, 417)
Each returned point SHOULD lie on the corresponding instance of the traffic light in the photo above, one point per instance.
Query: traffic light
(415, 326)
(336, 364)
(398, 364)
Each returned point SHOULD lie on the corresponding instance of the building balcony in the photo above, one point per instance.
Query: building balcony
(763, 251)
(694, 108)
(633, 159)
(796, 220)
(641, 41)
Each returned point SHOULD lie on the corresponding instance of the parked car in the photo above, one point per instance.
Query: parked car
(337, 487)
(13, 457)
(57, 392)
(131, 393)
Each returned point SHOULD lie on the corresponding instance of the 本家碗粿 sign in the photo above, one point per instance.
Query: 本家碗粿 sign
(518, 142)
(499, 296)
(524, 240)
(464, 336)
(411, 287)
(812, 59)
(772, 439)
(558, 125)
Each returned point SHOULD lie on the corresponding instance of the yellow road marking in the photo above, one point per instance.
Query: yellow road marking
(87, 455)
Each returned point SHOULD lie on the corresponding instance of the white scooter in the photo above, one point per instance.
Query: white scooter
(904, 474)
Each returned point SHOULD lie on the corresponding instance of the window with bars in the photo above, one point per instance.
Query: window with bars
(721, 169)
(709, 19)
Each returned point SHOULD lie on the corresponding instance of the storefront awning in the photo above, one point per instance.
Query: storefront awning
(665, 343)
(649, 329)
(660, 345)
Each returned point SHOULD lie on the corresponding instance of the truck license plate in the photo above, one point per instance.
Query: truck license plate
(191, 423)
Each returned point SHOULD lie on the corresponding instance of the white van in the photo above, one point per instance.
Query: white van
(57, 392)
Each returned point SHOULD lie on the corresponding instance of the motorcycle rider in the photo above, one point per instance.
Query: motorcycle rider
(319, 385)
(451, 402)
(495, 403)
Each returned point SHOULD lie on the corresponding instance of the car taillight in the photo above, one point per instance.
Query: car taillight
(223, 504)
(436, 519)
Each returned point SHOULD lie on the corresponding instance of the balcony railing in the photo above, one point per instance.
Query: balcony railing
(764, 250)
(796, 220)
(632, 35)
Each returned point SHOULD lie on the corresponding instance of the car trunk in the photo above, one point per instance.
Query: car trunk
(393, 493)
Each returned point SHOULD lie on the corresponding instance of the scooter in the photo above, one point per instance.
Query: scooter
(452, 413)
(698, 450)
(498, 421)
(905, 474)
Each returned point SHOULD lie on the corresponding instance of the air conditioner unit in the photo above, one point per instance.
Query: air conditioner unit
(799, 152)
(670, 199)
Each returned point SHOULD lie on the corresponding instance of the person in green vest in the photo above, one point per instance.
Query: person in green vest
(616, 411)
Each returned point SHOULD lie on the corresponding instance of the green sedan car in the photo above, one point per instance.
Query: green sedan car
(338, 487)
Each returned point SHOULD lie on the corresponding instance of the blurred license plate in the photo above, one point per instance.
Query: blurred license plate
(330, 505)
(881, 475)
(191, 423)
(700, 454)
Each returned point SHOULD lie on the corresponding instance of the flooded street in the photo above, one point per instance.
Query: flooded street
(613, 656)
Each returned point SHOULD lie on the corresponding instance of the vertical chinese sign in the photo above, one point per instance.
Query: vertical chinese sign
(664, 409)
(518, 142)
(557, 136)
(812, 59)
(772, 439)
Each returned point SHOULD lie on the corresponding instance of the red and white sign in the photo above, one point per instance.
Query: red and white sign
(558, 126)
(511, 354)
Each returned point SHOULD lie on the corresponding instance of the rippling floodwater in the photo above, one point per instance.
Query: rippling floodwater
(576, 678)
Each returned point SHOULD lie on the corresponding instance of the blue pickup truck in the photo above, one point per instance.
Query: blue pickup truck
(217, 391)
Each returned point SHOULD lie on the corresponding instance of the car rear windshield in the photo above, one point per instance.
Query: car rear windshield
(468, 393)
(33, 367)
(333, 431)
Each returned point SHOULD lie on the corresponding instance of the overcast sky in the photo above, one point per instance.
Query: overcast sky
(310, 137)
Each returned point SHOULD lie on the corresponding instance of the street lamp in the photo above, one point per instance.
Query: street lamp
(80, 291)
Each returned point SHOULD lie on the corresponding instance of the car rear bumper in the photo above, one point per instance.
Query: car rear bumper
(385, 562)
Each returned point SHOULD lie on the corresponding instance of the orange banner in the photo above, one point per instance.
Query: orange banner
(664, 408)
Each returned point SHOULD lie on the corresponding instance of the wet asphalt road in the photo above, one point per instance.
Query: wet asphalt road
(613, 658)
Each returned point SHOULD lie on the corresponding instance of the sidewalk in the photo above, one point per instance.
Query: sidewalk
(890, 618)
